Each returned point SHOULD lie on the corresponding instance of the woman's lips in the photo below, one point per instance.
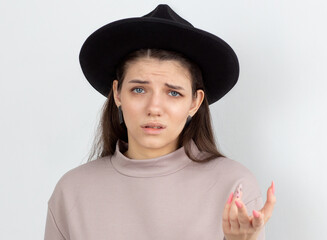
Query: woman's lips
(149, 130)
(153, 124)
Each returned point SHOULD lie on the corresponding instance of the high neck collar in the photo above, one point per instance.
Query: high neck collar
(153, 167)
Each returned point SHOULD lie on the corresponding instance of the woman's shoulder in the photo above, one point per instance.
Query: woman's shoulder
(228, 164)
(221, 164)
(86, 169)
(79, 177)
(233, 173)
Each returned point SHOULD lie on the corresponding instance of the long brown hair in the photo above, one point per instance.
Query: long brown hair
(109, 130)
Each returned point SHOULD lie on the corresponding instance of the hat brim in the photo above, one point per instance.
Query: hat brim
(105, 48)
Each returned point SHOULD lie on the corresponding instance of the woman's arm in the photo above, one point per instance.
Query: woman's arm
(52, 231)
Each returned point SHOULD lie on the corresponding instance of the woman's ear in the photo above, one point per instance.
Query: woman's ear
(116, 93)
(196, 102)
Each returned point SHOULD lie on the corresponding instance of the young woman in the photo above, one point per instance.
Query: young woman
(158, 173)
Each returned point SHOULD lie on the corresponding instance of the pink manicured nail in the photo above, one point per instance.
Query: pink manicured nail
(238, 191)
(238, 204)
(230, 198)
(255, 214)
(273, 187)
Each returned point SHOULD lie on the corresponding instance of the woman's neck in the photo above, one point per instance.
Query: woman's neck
(135, 151)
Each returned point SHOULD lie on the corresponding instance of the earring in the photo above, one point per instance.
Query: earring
(120, 114)
(188, 120)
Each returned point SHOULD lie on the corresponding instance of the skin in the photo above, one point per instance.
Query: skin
(238, 225)
(142, 103)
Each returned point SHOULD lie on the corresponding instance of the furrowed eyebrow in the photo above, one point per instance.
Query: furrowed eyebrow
(139, 81)
(147, 82)
(174, 86)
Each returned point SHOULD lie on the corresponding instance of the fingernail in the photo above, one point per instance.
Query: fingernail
(238, 204)
(273, 187)
(255, 214)
(238, 191)
(230, 198)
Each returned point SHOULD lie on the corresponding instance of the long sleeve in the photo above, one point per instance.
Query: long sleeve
(51, 229)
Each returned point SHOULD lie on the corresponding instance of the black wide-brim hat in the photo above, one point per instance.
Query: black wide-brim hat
(162, 28)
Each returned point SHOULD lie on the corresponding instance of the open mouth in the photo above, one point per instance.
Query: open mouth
(155, 128)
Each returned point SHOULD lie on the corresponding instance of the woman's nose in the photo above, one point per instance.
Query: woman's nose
(155, 104)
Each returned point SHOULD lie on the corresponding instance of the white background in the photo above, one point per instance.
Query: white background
(273, 121)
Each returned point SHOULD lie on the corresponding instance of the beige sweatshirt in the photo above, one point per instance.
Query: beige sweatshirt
(166, 198)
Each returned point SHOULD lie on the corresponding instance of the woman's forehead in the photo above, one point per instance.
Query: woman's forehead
(157, 69)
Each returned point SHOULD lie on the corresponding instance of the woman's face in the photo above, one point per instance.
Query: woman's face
(155, 93)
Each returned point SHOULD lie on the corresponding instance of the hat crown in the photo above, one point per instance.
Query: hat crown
(164, 29)
(163, 11)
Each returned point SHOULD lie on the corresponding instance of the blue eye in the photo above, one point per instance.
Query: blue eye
(175, 94)
(172, 93)
(137, 90)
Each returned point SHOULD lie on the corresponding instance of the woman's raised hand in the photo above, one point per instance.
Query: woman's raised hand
(237, 225)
